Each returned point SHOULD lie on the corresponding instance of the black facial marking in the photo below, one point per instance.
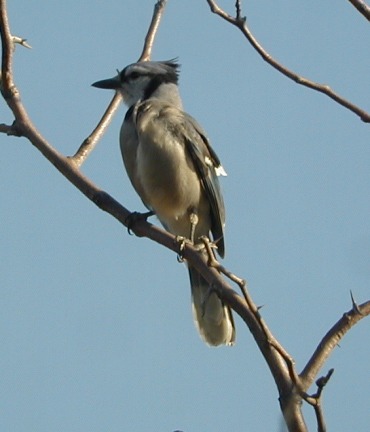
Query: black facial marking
(157, 80)
(133, 76)
(129, 112)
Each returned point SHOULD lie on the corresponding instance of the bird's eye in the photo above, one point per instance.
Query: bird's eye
(134, 75)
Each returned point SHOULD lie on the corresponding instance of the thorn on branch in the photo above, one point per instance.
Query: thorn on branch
(355, 305)
(21, 41)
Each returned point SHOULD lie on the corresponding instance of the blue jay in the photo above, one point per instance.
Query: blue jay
(174, 170)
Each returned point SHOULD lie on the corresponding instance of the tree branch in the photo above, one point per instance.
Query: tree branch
(240, 23)
(153, 28)
(362, 7)
(331, 340)
(92, 140)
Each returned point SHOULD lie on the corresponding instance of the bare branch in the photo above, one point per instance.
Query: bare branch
(153, 28)
(362, 7)
(330, 341)
(315, 400)
(240, 23)
(212, 262)
(91, 141)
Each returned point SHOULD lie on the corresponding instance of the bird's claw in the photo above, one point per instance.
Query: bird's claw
(205, 243)
(209, 246)
(181, 241)
(133, 217)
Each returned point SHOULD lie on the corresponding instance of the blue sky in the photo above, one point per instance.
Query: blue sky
(95, 324)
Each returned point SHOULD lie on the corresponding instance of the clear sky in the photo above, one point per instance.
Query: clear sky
(95, 325)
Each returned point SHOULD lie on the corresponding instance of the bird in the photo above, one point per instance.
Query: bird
(174, 170)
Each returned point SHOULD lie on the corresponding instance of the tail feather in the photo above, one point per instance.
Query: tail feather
(213, 319)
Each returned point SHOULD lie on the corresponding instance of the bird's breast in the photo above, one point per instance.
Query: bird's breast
(167, 176)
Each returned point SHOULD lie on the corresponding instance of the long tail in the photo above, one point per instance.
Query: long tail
(212, 318)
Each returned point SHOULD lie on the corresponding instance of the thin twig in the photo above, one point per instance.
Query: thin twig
(362, 7)
(153, 28)
(238, 7)
(7, 129)
(91, 141)
(212, 262)
(289, 361)
(241, 24)
(315, 400)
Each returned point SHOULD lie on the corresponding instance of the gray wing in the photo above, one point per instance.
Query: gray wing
(207, 164)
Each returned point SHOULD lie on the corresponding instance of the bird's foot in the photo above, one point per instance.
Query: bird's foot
(182, 242)
(133, 217)
(205, 244)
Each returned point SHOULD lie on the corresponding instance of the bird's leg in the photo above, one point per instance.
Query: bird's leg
(193, 224)
(193, 217)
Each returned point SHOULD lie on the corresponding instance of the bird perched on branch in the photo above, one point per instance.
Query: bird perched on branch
(174, 170)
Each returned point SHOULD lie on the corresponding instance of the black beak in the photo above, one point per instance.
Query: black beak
(111, 83)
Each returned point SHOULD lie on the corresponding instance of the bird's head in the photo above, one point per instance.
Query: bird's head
(139, 81)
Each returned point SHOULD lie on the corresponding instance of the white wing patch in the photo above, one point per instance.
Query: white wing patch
(219, 170)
